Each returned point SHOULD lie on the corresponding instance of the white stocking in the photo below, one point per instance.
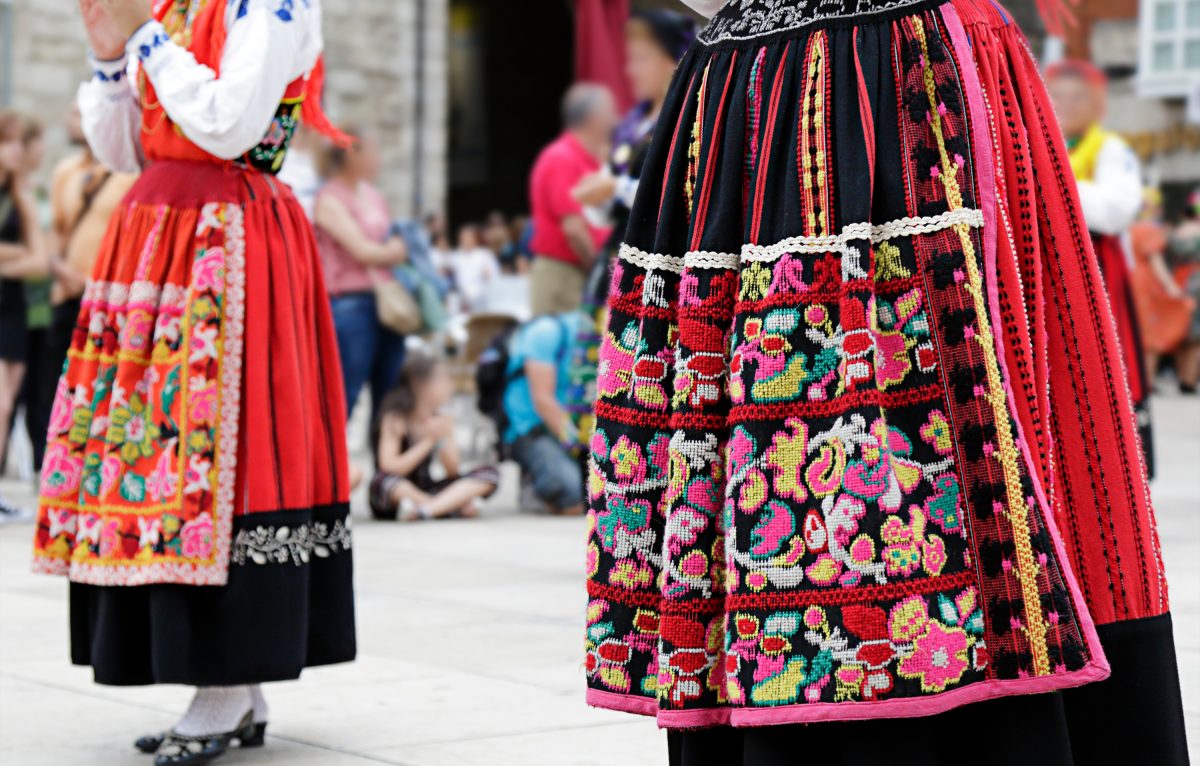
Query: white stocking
(260, 703)
(215, 710)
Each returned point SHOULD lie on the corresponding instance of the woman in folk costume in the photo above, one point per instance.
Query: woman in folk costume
(654, 42)
(891, 468)
(1110, 193)
(195, 488)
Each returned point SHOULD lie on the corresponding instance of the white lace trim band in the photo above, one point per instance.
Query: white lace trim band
(834, 243)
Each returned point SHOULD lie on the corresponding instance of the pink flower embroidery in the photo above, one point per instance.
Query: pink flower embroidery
(203, 396)
(60, 416)
(208, 272)
(891, 359)
(135, 336)
(939, 657)
(197, 537)
(109, 538)
(61, 472)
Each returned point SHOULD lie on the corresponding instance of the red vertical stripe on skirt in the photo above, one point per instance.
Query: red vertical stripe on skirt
(714, 144)
(1099, 487)
(764, 154)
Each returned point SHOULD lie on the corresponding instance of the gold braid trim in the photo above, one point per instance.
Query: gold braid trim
(1027, 568)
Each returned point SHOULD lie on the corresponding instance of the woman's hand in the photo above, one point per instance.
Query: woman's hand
(128, 15)
(104, 36)
(110, 23)
(71, 280)
(395, 251)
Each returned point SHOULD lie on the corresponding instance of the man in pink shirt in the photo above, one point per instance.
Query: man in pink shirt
(564, 242)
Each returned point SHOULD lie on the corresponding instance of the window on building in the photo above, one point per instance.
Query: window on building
(1170, 47)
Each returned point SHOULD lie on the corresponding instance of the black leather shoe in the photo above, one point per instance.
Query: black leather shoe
(150, 743)
(178, 750)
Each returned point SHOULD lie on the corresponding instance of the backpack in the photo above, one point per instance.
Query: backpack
(493, 375)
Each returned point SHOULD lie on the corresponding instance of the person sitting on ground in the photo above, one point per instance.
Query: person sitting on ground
(538, 429)
(411, 435)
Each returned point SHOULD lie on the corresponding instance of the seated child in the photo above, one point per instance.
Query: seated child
(411, 434)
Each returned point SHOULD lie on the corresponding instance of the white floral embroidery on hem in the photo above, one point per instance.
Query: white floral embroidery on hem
(748, 19)
(297, 545)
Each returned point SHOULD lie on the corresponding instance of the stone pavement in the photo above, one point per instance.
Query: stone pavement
(470, 649)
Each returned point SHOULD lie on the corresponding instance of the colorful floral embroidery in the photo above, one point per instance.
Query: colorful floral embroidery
(146, 417)
(816, 504)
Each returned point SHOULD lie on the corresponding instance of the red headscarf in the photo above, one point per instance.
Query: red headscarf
(1084, 71)
(1078, 68)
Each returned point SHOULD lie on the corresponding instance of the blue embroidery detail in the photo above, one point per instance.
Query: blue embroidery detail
(160, 39)
(243, 7)
(114, 77)
(285, 9)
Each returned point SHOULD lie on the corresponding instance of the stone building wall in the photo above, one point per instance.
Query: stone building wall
(371, 60)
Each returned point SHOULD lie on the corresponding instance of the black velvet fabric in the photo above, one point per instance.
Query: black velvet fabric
(1136, 715)
(268, 623)
(1029, 731)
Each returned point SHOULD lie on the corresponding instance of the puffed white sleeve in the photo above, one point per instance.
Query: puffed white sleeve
(110, 115)
(706, 8)
(270, 43)
(1113, 198)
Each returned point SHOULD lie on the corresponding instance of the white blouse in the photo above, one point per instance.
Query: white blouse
(269, 44)
(706, 8)
(1113, 198)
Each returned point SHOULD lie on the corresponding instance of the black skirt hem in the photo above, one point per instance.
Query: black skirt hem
(1133, 717)
(288, 605)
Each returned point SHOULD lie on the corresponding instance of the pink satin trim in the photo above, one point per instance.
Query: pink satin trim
(986, 177)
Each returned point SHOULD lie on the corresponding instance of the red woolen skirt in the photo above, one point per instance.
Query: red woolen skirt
(198, 439)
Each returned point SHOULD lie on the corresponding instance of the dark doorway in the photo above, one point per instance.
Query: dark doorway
(510, 63)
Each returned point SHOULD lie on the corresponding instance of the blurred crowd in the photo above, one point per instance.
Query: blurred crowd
(469, 344)
(1166, 289)
(504, 314)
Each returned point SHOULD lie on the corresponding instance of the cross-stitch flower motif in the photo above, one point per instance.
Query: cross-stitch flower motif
(136, 333)
(629, 464)
(944, 506)
(786, 457)
(197, 537)
(756, 282)
(61, 472)
(110, 538)
(939, 657)
(208, 270)
(938, 434)
(203, 396)
(621, 515)
(891, 359)
(827, 470)
(149, 532)
(884, 473)
(614, 375)
(132, 430)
